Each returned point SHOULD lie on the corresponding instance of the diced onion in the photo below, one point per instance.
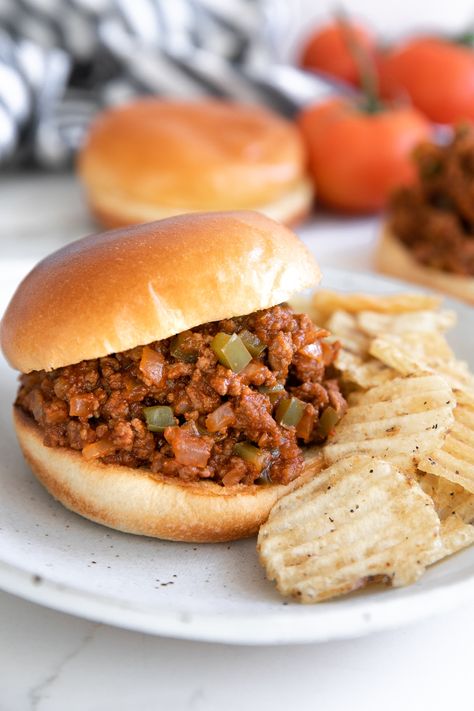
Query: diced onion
(98, 449)
(82, 405)
(151, 365)
(189, 449)
(219, 419)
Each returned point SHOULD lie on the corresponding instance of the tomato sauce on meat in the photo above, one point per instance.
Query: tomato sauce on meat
(219, 425)
(435, 218)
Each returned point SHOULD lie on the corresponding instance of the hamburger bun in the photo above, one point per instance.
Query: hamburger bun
(134, 501)
(155, 158)
(111, 292)
(394, 259)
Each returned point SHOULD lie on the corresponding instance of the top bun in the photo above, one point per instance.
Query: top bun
(110, 292)
(205, 155)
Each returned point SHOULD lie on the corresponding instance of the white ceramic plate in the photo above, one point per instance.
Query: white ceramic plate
(205, 592)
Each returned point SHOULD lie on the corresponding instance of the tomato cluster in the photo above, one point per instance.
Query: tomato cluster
(358, 156)
(357, 159)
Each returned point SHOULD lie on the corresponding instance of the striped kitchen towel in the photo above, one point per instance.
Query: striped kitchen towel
(63, 60)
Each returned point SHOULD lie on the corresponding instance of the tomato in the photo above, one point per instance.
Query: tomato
(437, 75)
(357, 158)
(327, 51)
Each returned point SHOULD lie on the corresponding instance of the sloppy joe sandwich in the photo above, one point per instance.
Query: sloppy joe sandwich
(154, 158)
(429, 232)
(167, 388)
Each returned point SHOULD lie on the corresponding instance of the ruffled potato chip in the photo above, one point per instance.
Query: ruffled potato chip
(454, 460)
(375, 324)
(455, 535)
(449, 499)
(411, 405)
(326, 302)
(401, 421)
(412, 353)
(362, 373)
(343, 326)
(359, 521)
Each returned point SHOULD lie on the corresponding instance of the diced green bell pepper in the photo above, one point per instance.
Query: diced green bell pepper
(231, 351)
(159, 417)
(273, 392)
(250, 453)
(327, 421)
(177, 350)
(290, 411)
(252, 343)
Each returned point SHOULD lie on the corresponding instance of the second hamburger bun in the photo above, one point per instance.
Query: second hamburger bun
(394, 259)
(155, 158)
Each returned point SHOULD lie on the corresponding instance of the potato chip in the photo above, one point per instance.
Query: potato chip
(455, 508)
(359, 521)
(393, 352)
(412, 353)
(362, 373)
(455, 535)
(326, 302)
(454, 460)
(374, 324)
(343, 326)
(465, 394)
(401, 421)
(449, 499)
(460, 379)
(416, 353)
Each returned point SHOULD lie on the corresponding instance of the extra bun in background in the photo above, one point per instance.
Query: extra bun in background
(111, 292)
(154, 158)
(393, 258)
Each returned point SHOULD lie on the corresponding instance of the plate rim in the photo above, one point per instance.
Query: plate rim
(325, 624)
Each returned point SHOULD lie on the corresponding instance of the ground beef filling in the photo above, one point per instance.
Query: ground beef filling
(435, 218)
(97, 406)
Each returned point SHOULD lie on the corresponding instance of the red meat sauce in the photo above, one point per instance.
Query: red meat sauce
(96, 406)
(435, 218)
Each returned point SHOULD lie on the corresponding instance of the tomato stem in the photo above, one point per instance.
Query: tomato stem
(466, 39)
(364, 63)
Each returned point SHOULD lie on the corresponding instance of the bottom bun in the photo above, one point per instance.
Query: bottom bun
(114, 210)
(133, 501)
(393, 258)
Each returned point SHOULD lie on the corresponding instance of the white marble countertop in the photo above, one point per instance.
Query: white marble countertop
(50, 661)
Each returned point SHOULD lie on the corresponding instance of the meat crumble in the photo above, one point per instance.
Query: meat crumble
(435, 218)
(226, 426)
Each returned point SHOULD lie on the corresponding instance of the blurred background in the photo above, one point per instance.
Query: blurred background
(64, 61)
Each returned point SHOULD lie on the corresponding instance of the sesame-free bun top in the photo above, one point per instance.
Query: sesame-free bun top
(113, 291)
(182, 155)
